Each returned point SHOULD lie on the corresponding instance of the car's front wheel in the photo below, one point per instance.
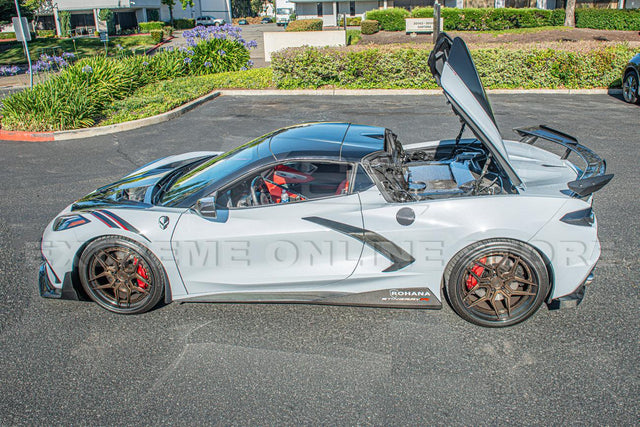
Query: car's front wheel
(121, 275)
(630, 87)
(497, 283)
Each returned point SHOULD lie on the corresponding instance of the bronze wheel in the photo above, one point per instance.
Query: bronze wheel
(497, 283)
(121, 275)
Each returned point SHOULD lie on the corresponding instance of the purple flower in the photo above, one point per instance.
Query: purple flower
(190, 52)
(9, 71)
(243, 69)
(222, 52)
(87, 69)
(145, 63)
(187, 60)
(68, 55)
(182, 49)
(249, 63)
(208, 64)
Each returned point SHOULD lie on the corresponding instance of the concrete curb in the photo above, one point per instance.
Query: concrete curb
(105, 130)
(396, 92)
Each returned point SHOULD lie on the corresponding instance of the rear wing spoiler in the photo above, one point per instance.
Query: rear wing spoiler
(591, 177)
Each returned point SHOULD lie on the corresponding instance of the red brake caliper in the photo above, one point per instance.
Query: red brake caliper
(477, 270)
(143, 273)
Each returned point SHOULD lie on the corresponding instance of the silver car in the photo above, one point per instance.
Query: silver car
(209, 20)
(346, 214)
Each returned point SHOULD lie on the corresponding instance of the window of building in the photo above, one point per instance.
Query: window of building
(352, 8)
(319, 9)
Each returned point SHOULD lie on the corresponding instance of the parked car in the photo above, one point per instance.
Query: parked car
(345, 214)
(266, 20)
(630, 79)
(209, 20)
(243, 22)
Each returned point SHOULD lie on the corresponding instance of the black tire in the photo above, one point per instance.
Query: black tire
(121, 275)
(631, 87)
(497, 282)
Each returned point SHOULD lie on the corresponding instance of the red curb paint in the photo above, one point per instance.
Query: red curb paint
(8, 135)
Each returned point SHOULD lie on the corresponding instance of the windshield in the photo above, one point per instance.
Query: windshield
(283, 11)
(221, 168)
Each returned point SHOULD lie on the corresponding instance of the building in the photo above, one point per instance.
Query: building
(128, 13)
(330, 12)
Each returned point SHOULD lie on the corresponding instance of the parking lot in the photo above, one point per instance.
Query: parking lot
(67, 362)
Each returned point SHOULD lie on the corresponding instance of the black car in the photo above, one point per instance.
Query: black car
(630, 78)
(266, 20)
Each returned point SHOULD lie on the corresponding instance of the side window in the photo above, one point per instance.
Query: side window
(362, 181)
(295, 181)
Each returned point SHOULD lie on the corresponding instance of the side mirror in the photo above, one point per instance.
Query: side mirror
(206, 207)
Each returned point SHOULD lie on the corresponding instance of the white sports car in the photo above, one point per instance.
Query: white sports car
(344, 214)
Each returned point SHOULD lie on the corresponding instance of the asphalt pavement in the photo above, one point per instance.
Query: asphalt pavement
(67, 362)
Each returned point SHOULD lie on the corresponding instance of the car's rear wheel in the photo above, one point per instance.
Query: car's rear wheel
(630, 87)
(121, 275)
(497, 283)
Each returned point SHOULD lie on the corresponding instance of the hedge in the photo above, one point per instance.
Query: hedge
(305, 25)
(391, 19)
(369, 26)
(146, 27)
(184, 24)
(388, 68)
(8, 35)
(507, 18)
(157, 35)
(609, 19)
(354, 21)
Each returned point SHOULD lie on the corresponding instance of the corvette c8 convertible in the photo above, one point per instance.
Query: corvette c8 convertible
(345, 214)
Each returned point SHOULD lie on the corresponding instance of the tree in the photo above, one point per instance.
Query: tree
(171, 3)
(8, 10)
(570, 14)
(241, 8)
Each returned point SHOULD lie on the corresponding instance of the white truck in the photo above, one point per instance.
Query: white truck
(284, 9)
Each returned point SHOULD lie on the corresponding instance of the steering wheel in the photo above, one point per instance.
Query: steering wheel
(259, 186)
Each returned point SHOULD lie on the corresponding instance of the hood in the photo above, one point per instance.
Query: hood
(136, 189)
(454, 70)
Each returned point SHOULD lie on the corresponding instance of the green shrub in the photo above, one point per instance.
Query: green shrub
(311, 67)
(505, 18)
(184, 24)
(168, 31)
(352, 21)
(7, 36)
(369, 26)
(305, 25)
(353, 36)
(65, 23)
(392, 19)
(46, 33)
(79, 94)
(609, 19)
(146, 27)
(157, 35)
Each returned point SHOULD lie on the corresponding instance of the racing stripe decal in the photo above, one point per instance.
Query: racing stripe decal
(378, 243)
(121, 222)
(104, 219)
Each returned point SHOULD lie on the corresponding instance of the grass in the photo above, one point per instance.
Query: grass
(11, 53)
(160, 97)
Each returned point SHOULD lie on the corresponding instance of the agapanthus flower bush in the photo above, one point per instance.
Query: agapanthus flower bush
(77, 96)
(7, 70)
